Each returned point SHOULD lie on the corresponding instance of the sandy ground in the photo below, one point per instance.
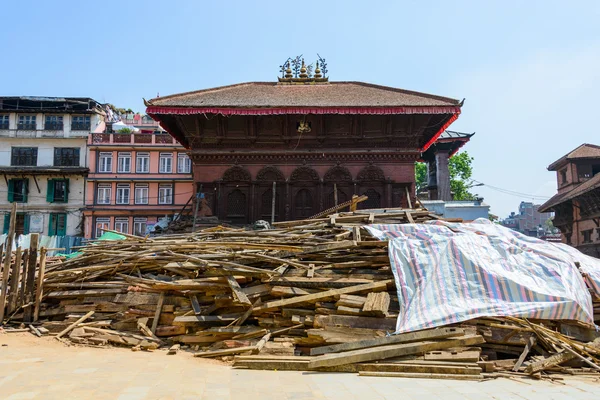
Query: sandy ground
(44, 368)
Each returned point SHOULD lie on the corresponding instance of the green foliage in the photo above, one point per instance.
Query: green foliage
(461, 170)
(421, 176)
(125, 130)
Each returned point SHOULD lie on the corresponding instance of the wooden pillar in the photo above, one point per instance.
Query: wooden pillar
(443, 175)
(288, 200)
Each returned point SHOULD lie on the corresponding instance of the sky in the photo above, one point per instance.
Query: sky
(529, 71)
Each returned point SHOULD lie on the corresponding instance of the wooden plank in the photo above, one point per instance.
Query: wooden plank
(381, 285)
(14, 282)
(7, 259)
(304, 282)
(350, 321)
(530, 343)
(68, 294)
(192, 320)
(556, 359)
(159, 305)
(173, 349)
(420, 368)
(440, 333)
(74, 324)
(30, 281)
(237, 291)
(395, 350)
(423, 376)
(40, 284)
(377, 304)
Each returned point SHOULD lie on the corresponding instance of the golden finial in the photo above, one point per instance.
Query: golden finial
(303, 74)
(288, 71)
(318, 72)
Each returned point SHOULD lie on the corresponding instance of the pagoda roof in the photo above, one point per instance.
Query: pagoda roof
(587, 186)
(331, 97)
(585, 151)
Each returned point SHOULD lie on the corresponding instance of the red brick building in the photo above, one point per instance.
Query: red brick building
(317, 142)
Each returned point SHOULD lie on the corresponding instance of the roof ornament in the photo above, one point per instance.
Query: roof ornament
(296, 71)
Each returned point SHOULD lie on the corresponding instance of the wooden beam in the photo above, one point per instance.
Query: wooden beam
(395, 350)
(237, 291)
(30, 281)
(14, 282)
(409, 337)
(159, 306)
(40, 284)
(381, 285)
(557, 359)
(422, 375)
(526, 350)
(7, 259)
(74, 324)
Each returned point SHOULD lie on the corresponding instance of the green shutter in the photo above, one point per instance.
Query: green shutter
(25, 190)
(66, 191)
(52, 225)
(62, 231)
(50, 192)
(11, 190)
(26, 224)
(6, 222)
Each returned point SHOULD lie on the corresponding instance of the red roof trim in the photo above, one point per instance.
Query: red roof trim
(305, 110)
(442, 129)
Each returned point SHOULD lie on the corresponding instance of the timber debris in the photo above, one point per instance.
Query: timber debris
(312, 295)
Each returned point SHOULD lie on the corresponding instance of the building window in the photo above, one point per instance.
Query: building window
(18, 189)
(142, 162)
(563, 176)
(122, 225)
(58, 191)
(184, 164)
(165, 194)
(105, 162)
(587, 235)
(123, 190)
(166, 163)
(141, 193)
(21, 223)
(102, 223)
(4, 121)
(54, 123)
(58, 224)
(24, 156)
(103, 195)
(124, 162)
(66, 156)
(27, 122)
(139, 226)
(80, 123)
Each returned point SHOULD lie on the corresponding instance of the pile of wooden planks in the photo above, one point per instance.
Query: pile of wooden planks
(317, 294)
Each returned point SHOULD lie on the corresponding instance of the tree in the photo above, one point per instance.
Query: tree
(461, 170)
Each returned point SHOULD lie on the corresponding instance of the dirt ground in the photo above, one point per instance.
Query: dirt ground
(44, 368)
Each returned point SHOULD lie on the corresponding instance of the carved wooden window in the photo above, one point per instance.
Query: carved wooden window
(303, 205)
(236, 204)
(266, 203)
(373, 201)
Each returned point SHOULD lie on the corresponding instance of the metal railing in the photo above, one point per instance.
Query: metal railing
(129, 138)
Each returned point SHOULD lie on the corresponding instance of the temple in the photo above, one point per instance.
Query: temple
(292, 148)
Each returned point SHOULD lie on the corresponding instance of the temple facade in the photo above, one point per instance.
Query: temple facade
(292, 148)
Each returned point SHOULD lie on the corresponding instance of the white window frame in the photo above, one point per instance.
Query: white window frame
(184, 164)
(138, 224)
(101, 193)
(122, 225)
(139, 188)
(121, 158)
(142, 159)
(123, 188)
(165, 163)
(105, 162)
(103, 223)
(165, 193)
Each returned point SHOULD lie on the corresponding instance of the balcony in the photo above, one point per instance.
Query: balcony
(142, 121)
(80, 126)
(127, 139)
(53, 126)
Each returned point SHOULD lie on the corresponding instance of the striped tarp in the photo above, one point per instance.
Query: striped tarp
(448, 272)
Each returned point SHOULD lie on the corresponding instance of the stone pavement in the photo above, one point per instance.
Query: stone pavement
(32, 368)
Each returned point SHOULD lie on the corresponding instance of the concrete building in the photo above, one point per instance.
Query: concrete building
(43, 161)
(135, 180)
(528, 220)
(576, 206)
(467, 210)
